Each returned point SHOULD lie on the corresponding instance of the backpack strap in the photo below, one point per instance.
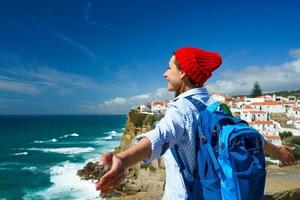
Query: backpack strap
(223, 107)
(188, 178)
(202, 107)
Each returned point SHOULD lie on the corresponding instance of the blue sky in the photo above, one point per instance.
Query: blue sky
(89, 57)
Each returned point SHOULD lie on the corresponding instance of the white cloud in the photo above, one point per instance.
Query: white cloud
(271, 78)
(295, 53)
(36, 80)
(18, 87)
(116, 101)
(120, 105)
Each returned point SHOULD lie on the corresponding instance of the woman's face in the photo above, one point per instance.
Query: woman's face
(173, 76)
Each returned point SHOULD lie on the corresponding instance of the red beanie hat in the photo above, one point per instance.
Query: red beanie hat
(198, 64)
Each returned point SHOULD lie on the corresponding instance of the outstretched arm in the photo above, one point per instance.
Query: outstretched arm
(150, 146)
(283, 153)
(121, 161)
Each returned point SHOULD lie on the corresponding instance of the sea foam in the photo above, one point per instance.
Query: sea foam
(21, 153)
(66, 185)
(66, 150)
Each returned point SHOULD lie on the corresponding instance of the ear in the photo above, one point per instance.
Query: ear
(182, 74)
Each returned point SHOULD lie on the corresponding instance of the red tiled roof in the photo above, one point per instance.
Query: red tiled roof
(272, 136)
(289, 102)
(265, 103)
(296, 108)
(257, 112)
(260, 122)
(248, 107)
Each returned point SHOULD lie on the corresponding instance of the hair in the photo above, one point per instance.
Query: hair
(186, 81)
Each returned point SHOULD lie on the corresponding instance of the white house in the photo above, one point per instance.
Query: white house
(146, 108)
(159, 107)
(254, 100)
(274, 139)
(293, 112)
(297, 123)
(265, 127)
(239, 103)
(269, 106)
(254, 115)
(279, 98)
(292, 98)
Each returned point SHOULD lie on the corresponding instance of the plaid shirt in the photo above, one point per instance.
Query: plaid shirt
(177, 127)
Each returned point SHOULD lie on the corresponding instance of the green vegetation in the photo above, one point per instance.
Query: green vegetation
(256, 91)
(285, 134)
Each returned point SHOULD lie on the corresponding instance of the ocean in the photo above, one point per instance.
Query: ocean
(40, 155)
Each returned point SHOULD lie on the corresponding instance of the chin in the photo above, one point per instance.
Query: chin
(170, 89)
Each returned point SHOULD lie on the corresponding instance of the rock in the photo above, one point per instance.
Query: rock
(286, 195)
(92, 171)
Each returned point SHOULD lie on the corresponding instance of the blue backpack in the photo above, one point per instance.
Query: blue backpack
(229, 156)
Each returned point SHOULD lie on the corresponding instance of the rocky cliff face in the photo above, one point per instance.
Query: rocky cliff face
(141, 181)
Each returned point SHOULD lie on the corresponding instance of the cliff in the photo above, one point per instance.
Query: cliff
(142, 181)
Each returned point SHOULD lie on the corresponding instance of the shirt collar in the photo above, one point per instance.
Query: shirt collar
(199, 91)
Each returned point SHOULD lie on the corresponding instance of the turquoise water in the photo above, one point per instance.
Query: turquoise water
(39, 155)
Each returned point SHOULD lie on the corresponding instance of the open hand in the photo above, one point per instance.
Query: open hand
(114, 176)
(285, 155)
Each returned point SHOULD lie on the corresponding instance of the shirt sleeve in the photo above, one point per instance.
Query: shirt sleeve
(166, 134)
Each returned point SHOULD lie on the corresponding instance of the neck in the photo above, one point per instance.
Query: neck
(183, 89)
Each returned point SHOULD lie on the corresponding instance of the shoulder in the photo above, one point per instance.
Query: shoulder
(183, 106)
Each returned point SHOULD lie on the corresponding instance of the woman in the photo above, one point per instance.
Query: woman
(189, 68)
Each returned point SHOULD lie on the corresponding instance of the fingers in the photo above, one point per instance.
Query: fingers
(109, 185)
(290, 149)
(106, 158)
(109, 181)
(114, 176)
(286, 155)
(112, 180)
(104, 190)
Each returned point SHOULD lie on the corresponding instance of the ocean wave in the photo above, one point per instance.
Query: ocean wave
(31, 168)
(55, 140)
(70, 135)
(66, 150)
(45, 141)
(74, 135)
(21, 153)
(39, 141)
(66, 185)
(111, 132)
(108, 138)
(114, 133)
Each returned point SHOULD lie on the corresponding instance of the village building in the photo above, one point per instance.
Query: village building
(293, 112)
(297, 123)
(269, 106)
(274, 139)
(265, 127)
(254, 115)
(156, 107)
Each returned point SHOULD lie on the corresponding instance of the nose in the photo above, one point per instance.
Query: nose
(165, 74)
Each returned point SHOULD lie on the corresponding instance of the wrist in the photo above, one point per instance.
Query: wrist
(122, 158)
